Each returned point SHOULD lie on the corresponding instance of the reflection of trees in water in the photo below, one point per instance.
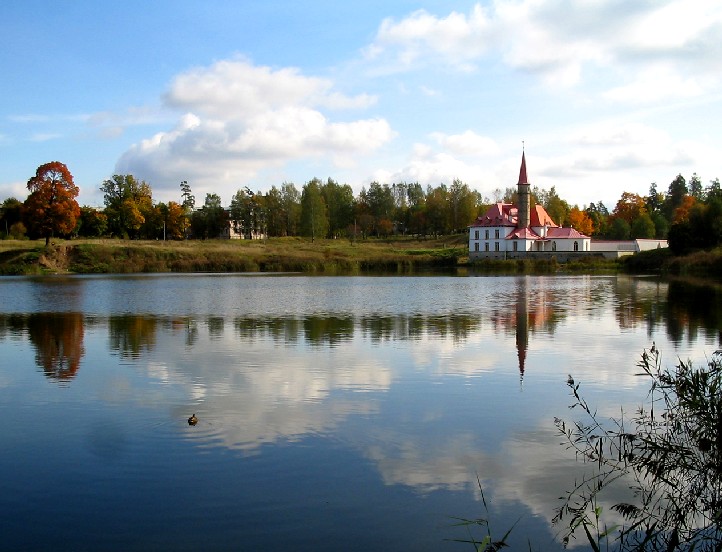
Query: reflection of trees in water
(58, 340)
(328, 330)
(132, 335)
(684, 309)
(694, 309)
(286, 330)
(333, 330)
(216, 325)
(636, 301)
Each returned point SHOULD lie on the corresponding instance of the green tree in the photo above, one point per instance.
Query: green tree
(274, 212)
(417, 223)
(211, 220)
(643, 227)
(51, 206)
(11, 212)
(188, 203)
(695, 187)
(291, 205)
(619, 229)
(314, 217)
(675, 195)
(438, 214)
(247, 213)
(463, 205)
(380, 201)
(661, 226)
(713, 191)
(92, 223)
(340, 204)
(557, 208)
(127, 203)
(655, 200)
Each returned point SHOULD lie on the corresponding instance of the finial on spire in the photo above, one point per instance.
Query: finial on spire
(522, 146)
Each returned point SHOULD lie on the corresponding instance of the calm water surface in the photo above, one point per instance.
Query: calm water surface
(344, 413)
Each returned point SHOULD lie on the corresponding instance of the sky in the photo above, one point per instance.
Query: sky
(603, 96)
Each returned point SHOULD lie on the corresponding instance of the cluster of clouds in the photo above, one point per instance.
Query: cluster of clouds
(625, 73)
(239, 118)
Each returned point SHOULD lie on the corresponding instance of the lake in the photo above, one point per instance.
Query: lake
(334, 413)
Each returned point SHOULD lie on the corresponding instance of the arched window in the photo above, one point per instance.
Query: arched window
(576, 246)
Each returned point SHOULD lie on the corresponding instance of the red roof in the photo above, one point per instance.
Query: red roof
(538, 216)
(523, 234)
(499, 214)
(560, 233)
(506, 214)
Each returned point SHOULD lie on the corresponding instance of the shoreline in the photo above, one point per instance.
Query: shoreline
(402, 256)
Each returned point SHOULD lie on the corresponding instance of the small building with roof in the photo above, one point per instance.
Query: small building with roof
(514, 231)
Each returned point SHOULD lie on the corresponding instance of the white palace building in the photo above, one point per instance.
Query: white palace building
(508, 231)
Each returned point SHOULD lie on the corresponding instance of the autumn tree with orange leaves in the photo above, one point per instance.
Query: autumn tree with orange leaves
(51, 207)
(580, 221)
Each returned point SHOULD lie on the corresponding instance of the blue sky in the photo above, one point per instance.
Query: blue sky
(607, 96)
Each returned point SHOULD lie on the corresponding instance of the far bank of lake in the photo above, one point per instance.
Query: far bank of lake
(404, 255)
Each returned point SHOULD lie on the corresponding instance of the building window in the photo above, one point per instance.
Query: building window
(486, 246)
(576, 246)
(487, 234)
(496, 246)
(476, 234)
(554, 246)
(516, 245)
(496, 233)
(476, 246)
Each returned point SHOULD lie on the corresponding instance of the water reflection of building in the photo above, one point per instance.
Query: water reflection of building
(532, 311)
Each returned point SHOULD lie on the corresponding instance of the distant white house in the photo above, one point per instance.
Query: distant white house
(229, 232)
(514, 231)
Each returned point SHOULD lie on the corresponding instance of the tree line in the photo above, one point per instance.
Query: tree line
(689, 214)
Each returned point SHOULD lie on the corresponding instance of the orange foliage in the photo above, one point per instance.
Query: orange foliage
(681, 213)
(580, 221)
(629, 207)
(51, 205)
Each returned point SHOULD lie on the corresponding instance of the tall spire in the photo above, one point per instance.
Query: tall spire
(523, 204)
(522, 171)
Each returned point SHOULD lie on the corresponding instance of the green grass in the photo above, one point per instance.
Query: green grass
(273, 255)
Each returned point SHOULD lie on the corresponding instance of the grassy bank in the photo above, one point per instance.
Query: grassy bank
(397, 256)
(702, 264)
(272, 255)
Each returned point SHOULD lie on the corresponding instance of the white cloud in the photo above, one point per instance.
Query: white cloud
(467, 143)
(654, 84)
(560, 41)
(241, 118)
(18, 190)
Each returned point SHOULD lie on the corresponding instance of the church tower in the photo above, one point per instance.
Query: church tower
(523, 192)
